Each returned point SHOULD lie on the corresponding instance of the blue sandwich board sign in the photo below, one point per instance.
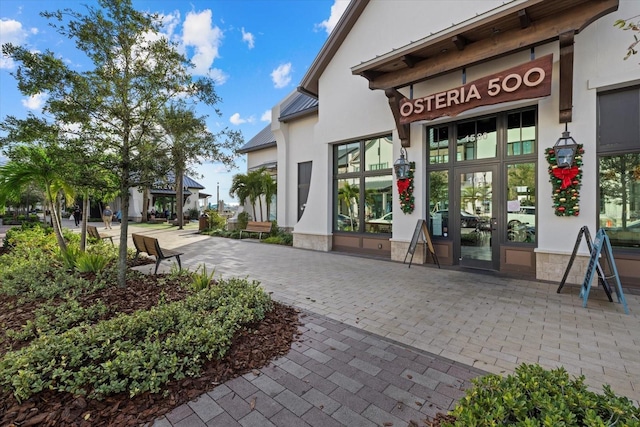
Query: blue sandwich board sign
(602, 245)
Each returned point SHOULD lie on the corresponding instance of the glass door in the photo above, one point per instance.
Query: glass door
(474, 219)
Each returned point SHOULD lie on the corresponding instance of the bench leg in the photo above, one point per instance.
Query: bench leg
(179, 264)
(157, 265)
(135, 259)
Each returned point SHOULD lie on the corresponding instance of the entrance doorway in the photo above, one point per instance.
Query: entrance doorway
(474, 220)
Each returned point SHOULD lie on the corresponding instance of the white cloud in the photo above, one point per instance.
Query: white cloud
(281, 76)
(266, 116)
(218, 76)
(237, 120)
(34, 102)
(11, 31)
(248, 38)
(337, 9)
(205, 38)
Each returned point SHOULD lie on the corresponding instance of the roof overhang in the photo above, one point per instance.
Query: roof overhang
(513, 27)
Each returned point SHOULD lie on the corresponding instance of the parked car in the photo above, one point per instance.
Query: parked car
(382, 224)
(467, 220)
(346, 223)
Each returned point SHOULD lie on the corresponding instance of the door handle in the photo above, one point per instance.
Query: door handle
(494, 224)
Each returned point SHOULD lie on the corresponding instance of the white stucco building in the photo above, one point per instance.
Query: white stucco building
(474, 93)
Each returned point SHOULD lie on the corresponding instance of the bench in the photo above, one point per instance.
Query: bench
(150, 246)
(257, 227)
(92, 231)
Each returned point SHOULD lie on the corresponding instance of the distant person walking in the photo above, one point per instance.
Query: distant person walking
(107, 216)
(77, 215)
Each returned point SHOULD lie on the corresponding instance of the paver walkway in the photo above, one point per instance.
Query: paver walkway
(454, 324)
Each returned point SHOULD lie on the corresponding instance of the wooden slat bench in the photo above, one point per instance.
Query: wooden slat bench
(150, 246)
(257, 227)
(92, 231)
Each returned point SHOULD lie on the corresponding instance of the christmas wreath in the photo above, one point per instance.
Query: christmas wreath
(566, 183)
(405, 191)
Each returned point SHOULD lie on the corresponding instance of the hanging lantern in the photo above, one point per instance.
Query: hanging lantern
(565, 149)
(401, 166)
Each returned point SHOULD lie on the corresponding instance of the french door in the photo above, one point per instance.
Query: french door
(474, 218)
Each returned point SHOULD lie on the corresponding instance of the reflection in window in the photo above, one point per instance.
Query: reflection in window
(348, 157)
(348, 197)
(521, 202)
(477, 139)
(438, 144)
(378, 153)
(378, 202)
(521, 133)
(620, 198)
(355, 207)
(438, 202)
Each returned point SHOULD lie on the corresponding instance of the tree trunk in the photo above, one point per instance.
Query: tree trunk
(85, 219)
(179, 197)
(145, 203)
(55, 222)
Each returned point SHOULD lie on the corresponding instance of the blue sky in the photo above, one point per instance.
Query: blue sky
(257, 50)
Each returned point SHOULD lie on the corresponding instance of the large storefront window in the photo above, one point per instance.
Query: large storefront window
(619, 166)
(438, 202)
(521, 202)
(364, 186)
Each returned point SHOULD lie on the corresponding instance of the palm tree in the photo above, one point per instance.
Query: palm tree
(269, 189)
(240, 187)
(347, 193)
(35, 165)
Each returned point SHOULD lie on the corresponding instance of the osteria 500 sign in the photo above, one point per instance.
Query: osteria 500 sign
(529, 80)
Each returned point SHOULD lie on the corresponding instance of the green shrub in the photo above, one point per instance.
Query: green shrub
(202, 280)
(243, 220)
(215, 220)
(534, 396)
(136, 352)
(91, 262)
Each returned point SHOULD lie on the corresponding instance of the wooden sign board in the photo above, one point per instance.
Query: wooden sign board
(421, 231)
(602, 245)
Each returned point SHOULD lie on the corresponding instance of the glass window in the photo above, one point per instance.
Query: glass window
(348, 201)
(438, 202)
(438, 145)
(521, 133)
(348, 157)
(620, 198)
(477, 139)
(354, 209)
(378, 202)
(378, 153)
(521, 203)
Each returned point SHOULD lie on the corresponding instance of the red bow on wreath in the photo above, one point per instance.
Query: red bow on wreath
(566, 175)
(403, 185)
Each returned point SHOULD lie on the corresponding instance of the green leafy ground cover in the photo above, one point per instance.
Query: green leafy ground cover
(68, 329)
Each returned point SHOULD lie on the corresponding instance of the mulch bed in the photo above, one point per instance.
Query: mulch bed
(253, 347)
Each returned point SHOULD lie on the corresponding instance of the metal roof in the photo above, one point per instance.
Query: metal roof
(299, 105)
(169, 183)
(263, 139)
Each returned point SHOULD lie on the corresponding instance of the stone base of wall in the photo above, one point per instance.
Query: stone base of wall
(314, 242)
(551, 267)
(399, 252)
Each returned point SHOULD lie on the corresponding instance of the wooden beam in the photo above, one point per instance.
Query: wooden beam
(410, 60)
(566, 76)
(525, 19)
(460, 42)
(404, 131)
(497, 46)
(371, 74)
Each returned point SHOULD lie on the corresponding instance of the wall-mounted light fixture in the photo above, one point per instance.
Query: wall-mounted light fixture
(565, 149)
(401, 166)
